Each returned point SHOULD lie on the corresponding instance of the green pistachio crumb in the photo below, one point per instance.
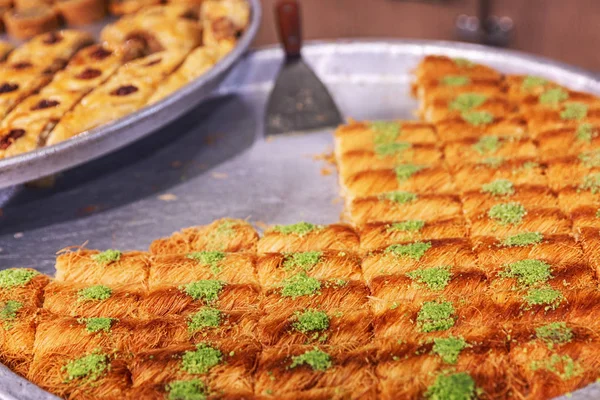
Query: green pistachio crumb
(107, 256)
(507, 213)
(487, 145)
(436, 278)
(207, 317)
(385, 131)
(391, 149)
(590, 159)
(586, 132)
(553, 97)
(300, 228)
(457, 386)
(561, 365)
(528, 272)
(193, 389)
(574, 111)
(16, 277)
(591, 182)
(492, 162)
(477, 118)
(463, 62)
(207, 290)
(302, 261)
(548, 296)
(94, 293)
(212, 259)
(300, 285)
(499, 187)
(405, 171)
(554, 333)
(523, 239)
(411, 225)
(201, 360)
(467, 101)
(318, 360)
(598, 213)
(94, 325)
(531, 82)
(414, 250)
(436, 316)
(310, 321)
(8, 312)
(449, 348)
(399, 197)
(90, 367)
(217, 238)
(455, 80)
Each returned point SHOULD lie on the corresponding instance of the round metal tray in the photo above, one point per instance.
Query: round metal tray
(214, 161)
(106, 138)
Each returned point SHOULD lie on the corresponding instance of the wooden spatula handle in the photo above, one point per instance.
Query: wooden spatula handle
(287, 14)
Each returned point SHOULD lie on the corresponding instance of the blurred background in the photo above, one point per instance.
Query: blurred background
(565, 30)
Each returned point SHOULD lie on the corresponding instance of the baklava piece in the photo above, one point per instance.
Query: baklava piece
(25, 23)
(471, 177)
(477, 151)
(304, 236)
(441, 109)
(81, 12)
(563, 142)
(223, 23)
(477, 124)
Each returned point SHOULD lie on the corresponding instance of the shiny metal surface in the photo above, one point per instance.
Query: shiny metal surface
(214, 161)
(106, 138)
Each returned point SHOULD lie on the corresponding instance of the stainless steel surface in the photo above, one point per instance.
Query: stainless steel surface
(110, 137)
(214, 161)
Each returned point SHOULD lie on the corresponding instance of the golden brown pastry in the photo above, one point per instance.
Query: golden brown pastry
(25, 23)
(304, 236)
(81, 12)
(122, 7)
(223, 22)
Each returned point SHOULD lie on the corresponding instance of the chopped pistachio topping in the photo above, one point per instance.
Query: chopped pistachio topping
(217, 237)
(574, 111)
(561, 365)
(586, 132)
(499, 187)
(405, 171)
(548, 296)
(463, 62)
(8, 312)
(492, 162)
(107, 256)
(411, 225)
(193, 389)
(97, 293)
(467, 101)
(554, 333)
(436, 316)
(590, 159)
(90, 367)
(94, 325)
(400, 197)
(201, 360)
(523, 239)
(528, 272)
(385, 131)
(207, 290)
(302, 261)
(391, 149)
(449, 348)
(553, 97)
(212, 259)
(300, 285)
(16, 277)
(311, 320)
(507, 213)
(436, 278)
(414, 250)
(457, 386)
(318, 360)
(207, 317)
(487, 145)
(591, 182)
(477, 118)
(598, 213)
(455, 80)
(300, 229)
(531, 82)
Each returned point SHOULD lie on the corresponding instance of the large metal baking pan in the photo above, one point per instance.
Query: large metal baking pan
(106, 138)
(215, 162)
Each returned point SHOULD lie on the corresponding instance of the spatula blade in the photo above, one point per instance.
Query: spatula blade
(299, 101)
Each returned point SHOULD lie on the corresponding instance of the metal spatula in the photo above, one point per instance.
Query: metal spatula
(299, 101)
